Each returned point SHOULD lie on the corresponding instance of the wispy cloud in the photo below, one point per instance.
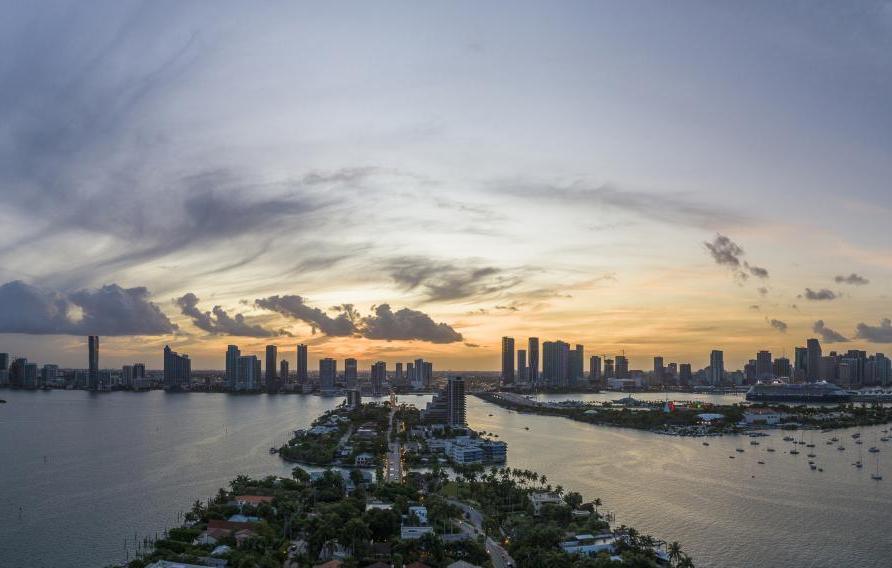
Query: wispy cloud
(778, 325)
(445, 281)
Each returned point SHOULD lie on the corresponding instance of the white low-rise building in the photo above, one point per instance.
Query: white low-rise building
(540, 498)
(589, 544)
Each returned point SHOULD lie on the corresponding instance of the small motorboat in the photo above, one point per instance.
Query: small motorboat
(788, 438)
(873, 450)
(705, 443)
(731, 457)
(812, 455)
(739, 450)
(821, 469)
(813, 467)
(794, 451)
(769, 449)
(840, 448)
(754, 443)
(834, 439)
(858, 464)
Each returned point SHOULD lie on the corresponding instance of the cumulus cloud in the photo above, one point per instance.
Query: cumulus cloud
(445, 281)
(218, 321)
(819, 296)
(726, 252)
(853, 279)
(294, 306)
(875, 334)
(406, 324)
(109, 310)
(383, 324)
(778, 325)
(827, 334)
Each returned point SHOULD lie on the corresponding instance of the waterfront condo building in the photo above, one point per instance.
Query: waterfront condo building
(507, 360)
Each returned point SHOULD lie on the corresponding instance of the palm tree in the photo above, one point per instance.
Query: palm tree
(685, 562)
(675, 553)
(597, 503)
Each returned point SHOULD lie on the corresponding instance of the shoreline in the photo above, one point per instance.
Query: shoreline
(651, 418)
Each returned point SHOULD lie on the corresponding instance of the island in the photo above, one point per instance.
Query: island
(696, 418)
(463, 516)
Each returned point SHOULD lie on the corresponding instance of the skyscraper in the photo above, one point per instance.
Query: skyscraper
(594, 368)
(533, 353)
(716, 367)
(579, 364)
(177, 369)
(247, 374)
(301, 368)
(232, 357)
(622, 367)
(684, 374)
(93, 361)
(350, 373)
(555, 363)
(609, 370)
(272, 358)
(764, 367)
(781, 367)
(378, 376)
(507, 360)
(813, 360)
(658, 369)
(455, 396)
(522, 365)
(283, 372)
(328, 370)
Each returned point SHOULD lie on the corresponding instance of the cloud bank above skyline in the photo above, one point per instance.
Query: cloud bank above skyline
(210, 160)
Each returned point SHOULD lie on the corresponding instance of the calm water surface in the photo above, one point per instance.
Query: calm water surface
(89, 471)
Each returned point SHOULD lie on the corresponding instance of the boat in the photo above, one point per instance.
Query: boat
(809, 445)
(779, 391)
(859, 442)
(834, 439)
(858, 464)
(821, 469)
(739, 450)
(794, 451)
(769, 449)
(883, 439)
(829, 442)
(760, 462)
(273, 450)
(705, 443)
(876, 474)
(754, 443)
(812, 455)
(873, 449)
(2, 401)
(788, 438)
(856, 435)
(840, 448)
(813, 467)
(731, 457)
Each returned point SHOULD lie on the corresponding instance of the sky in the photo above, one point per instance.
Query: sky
(404, 179)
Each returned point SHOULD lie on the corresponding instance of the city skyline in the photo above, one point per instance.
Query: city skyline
(711, 183)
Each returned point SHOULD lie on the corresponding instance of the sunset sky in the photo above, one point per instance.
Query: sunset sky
(419, 179)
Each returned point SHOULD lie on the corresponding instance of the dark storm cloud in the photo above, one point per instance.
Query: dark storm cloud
(383, 324)
(109, 310)
(294, 306)
(218, 321)
(672, 208)
(853, 279)
(406, 324)
(822, 295)
(445, 281)
(778, 325)
(726, 252)
(828, 335)
(875, 334)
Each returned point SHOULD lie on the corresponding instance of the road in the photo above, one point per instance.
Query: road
(498, 555)
(394, 467)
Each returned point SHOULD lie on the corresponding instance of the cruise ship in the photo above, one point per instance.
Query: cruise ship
(808, 392)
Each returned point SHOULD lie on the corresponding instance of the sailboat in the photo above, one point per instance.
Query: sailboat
(859, 464)
(876, 475)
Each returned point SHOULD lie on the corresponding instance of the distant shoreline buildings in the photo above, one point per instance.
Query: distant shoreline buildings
(563, 367)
